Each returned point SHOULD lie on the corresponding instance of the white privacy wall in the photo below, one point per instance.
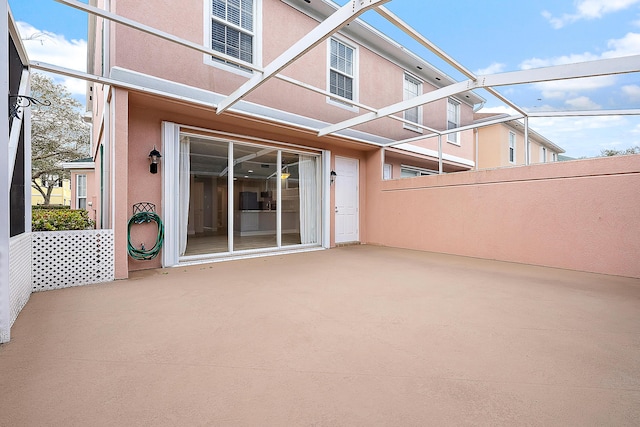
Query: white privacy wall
(19, 273)
(62, 259)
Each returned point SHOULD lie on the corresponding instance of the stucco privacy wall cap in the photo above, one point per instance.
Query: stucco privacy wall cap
(583, 168)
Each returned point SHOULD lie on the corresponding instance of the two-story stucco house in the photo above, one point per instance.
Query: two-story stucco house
(503, 144)
(257, 178)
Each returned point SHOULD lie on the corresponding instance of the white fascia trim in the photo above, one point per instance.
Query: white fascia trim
(79, 165)
(433, 153)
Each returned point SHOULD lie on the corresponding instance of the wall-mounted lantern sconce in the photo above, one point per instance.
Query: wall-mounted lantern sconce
(332, 177)
(154, 155)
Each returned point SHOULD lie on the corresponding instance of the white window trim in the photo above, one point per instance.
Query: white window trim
(387, 171)
(257, 39)
(77, 204)
(418, 170)
(515, 145)
(405, 98)
(457, 134)
(543, 154)
(356, 69)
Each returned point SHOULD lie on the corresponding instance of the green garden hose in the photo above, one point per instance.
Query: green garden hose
(143, 254)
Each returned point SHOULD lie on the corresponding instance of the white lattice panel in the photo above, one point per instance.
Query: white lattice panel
(19, 273)
(62, 259)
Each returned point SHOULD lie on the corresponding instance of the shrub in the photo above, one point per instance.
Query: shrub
(60, 219)
(50, 207)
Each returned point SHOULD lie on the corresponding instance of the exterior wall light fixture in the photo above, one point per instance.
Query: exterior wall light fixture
(332, 177)
(154, 155)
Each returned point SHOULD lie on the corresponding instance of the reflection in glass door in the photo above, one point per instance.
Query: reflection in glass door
(204, 212)
(255, 181)
(271, 198)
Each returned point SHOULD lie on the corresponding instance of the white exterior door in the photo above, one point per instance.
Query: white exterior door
(346, 198)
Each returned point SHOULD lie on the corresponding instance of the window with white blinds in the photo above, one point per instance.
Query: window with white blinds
(412, 88)
(232, 28)
(81, 192)
(453, 120)
(512, 147)
(341, 69)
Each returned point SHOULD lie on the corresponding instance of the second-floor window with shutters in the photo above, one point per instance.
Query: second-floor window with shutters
(233, 28)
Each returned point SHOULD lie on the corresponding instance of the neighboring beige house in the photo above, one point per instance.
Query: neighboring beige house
(503, 144)
(60, 195)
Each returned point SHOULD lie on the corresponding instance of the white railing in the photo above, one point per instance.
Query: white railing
(62, 259)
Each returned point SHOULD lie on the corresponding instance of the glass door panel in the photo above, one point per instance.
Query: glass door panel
(300, 199)
(255, 195)
(207, 222)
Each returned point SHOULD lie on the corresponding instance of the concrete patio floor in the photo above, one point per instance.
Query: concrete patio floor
(354, 336)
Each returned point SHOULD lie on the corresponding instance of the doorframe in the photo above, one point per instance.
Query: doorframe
(357, 197)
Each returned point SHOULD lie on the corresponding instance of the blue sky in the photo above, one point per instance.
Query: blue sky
(487, 37)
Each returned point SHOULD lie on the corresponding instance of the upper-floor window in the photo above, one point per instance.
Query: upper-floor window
(412, 88)
(342, 69)
(453, 120)
(543, 154)
(555, 157)
(512, 147)
(233, 28)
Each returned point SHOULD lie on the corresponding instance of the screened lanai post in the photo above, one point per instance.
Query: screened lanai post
(308, 189)
(184, 178)
(440, 154)
(527, 148)
(476, 134)
(322, 31)
(280, 181)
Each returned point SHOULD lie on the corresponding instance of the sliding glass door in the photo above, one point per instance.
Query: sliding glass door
(239, 197)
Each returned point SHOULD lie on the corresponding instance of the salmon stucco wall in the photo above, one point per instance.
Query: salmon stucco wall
(580, 215)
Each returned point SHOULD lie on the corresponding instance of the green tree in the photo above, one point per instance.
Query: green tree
(58, 134)
(631, 150)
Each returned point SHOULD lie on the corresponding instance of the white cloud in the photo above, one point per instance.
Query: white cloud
(632, 92)
(582, 103)
(626, 46)
(588, 9)
(563, 89)
(55, 49)
(494, 68)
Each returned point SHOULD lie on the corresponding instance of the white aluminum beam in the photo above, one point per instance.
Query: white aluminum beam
(419, 100)
(454, 130)
(325, 29)
(410, 31)
(112, 82)
(5, 178)
(153, 31)
(586, 113)
(628, 64)
(17, 122)
(413, 33)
